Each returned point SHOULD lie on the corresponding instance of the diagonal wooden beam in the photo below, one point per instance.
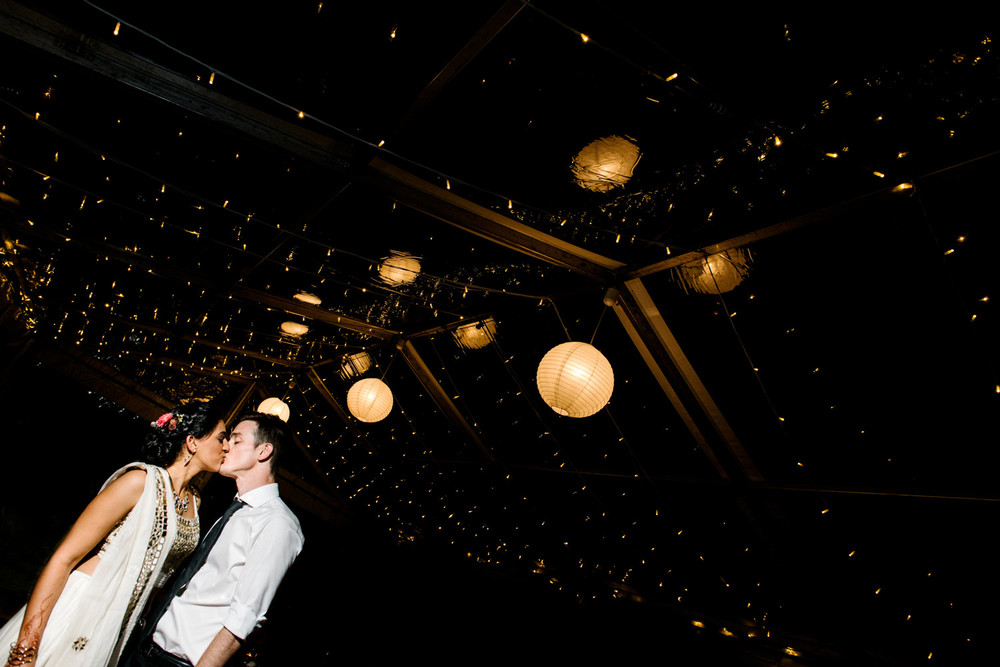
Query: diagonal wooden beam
(191, 338)
(198, 369)
(440, 396)
(320, 386)
(179, 275)
(92, 54)
(504, 15)
(101, 378)
(102, 59)
(814, 217)
(679, 381)
(766, 232)
(468, 216)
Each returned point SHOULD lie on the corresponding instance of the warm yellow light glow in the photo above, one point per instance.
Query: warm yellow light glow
(370, 400)
(294, 328)
(833, 155)
(302, 114)
(275, 406)
(715, 274)
(399, 268)
(476, 335)
(672, 77)
(903, 186)
(790, 651)
(575, 379)
(585, 38)
(117, 28)
(777, 141)
(879, 174)
(306, 297)
(605, 164)
(211, 78)
(355, 365)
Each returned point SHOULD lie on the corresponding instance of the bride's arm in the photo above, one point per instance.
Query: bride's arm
(96, 521)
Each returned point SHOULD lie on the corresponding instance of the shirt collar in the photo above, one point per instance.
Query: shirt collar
(260, 495)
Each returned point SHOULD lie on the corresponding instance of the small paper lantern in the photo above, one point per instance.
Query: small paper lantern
(275, 406)
(475, 335)
(715, 274)
(307, 297)
(399, 268)
(575, 379)
(294, 328)
(370, 400)
(605, 164)
(355, 365)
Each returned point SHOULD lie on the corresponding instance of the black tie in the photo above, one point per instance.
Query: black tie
(193, 564)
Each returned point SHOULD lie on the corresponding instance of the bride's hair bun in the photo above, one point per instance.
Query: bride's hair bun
(167, 434)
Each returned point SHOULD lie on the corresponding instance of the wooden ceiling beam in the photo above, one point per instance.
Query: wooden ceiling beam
(179, 275)
(101, 378)
(504, 15)
(446, 206)
(441, 398)
(65, 42)
(814, 217)
(96, 56)
(684, 389)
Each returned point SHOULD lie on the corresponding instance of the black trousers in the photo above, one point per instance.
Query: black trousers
(151, 655)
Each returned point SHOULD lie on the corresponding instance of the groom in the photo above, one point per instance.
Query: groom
(230, 592)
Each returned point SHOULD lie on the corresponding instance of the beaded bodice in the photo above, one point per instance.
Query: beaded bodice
(185, 542)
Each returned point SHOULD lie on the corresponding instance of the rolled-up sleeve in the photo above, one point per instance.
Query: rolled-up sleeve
(272, 549)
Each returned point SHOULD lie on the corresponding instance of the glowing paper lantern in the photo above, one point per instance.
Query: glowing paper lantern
(475, 335)
(307, 297)
(275, 406)
(370, 400)
(355, 365)
(575, 379)
(715, 274)
(606, 163)
(399, 268)
(294, 328)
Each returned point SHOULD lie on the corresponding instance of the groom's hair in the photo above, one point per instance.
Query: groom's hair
(269, 429)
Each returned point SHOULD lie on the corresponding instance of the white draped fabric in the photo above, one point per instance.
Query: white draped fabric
(95, 614)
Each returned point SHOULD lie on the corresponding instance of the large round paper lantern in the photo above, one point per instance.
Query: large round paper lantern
(399, 268)
(294, 328)
(715, 274)
(605, 164)
(275, 406)
(370, 400)
(575, 379)
(475, 335)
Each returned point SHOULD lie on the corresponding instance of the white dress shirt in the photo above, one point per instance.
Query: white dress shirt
(235, 586)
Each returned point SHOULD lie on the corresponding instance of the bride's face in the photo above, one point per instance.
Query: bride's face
(212, 448)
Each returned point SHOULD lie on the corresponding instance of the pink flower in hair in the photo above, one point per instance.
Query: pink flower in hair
(166, 419)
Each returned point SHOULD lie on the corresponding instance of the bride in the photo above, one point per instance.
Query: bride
(145, 519)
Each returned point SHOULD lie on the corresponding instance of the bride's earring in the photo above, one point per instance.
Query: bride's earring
(187, 459)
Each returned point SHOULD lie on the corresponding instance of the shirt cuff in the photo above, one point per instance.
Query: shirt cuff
(241, 620)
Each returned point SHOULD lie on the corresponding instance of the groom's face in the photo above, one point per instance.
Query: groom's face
(242, 454)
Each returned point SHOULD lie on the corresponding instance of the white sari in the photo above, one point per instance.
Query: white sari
(95, 614)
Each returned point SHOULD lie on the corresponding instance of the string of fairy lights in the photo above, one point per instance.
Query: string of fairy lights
(365, 474)
(768, 136)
